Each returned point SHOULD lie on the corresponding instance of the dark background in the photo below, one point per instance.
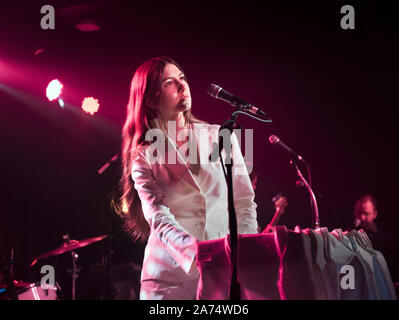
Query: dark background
(332, 95)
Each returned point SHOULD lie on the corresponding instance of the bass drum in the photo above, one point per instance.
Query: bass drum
(34, 291)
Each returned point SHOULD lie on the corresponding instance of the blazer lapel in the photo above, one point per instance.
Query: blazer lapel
(175, 163)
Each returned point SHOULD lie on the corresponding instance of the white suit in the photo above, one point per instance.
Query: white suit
(182, 208)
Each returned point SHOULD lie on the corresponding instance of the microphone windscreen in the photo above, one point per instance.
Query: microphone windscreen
(213, 90)
(274, 139)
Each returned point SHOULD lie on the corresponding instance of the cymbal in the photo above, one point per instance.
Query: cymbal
(70, 246)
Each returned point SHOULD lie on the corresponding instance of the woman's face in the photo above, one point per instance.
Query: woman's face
(175, 94)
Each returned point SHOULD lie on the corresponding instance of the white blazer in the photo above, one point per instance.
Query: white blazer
(182, 208)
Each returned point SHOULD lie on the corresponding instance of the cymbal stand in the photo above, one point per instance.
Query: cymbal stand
(75, 270)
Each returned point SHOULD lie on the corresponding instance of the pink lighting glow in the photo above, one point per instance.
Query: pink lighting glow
(87, 26)
(53, 90)
(90, 105)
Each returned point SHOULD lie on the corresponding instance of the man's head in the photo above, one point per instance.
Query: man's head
(365, 209)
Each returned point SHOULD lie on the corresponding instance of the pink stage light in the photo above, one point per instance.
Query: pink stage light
(54, 89)
(90, 105)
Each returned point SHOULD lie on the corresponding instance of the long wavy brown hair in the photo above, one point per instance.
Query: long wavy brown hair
(141, 116)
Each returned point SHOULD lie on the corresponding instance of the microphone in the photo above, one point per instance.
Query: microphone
(357, 223)
(277, 142)
(219, 93)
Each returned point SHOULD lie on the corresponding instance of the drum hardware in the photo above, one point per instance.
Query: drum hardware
(34, 291)
(67, 240)
(70, 245)
(20, 290)
(6, 267)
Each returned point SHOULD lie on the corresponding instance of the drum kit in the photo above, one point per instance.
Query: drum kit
(11, 289)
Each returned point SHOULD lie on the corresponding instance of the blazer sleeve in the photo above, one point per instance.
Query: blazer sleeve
(243, 191)
(180, 244)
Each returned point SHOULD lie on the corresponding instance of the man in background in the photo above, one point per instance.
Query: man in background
(365, 213)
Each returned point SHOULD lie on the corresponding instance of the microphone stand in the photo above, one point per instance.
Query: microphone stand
(315, 209)
(108, 164)
(108, 261)
(235, 290)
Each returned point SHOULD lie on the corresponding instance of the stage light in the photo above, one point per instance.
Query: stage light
(54, 89)
(90, 105)
(61, 102)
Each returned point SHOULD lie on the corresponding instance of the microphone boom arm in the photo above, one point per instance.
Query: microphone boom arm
(315, 208)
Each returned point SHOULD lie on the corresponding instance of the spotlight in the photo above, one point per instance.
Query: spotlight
(54, 89)
(90, 105)
(61, 102)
